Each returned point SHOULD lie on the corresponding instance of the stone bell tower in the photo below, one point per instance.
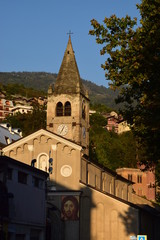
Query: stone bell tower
(68, 103)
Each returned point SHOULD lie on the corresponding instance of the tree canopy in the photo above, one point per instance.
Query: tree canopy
(133, 65)
(29, 122)
(12, 89)
(108, 148)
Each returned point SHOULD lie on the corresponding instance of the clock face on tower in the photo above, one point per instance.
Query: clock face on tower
(62, 130)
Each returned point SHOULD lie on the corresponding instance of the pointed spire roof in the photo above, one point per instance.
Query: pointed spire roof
(68, 79)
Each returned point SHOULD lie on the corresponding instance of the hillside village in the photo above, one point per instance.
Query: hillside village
(51, 188)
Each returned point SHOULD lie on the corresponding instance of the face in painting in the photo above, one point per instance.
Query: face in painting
(69, 209)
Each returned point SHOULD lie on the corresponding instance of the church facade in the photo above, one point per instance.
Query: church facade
(85, 201)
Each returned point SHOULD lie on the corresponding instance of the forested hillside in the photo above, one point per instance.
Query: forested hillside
(41, 81)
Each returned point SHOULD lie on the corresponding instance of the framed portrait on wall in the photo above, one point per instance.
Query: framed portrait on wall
(70, 208)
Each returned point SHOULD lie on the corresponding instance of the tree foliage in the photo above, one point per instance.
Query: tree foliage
(100, 108)
(133, 66)
(29, 122)
(12, 89)
(108, 148)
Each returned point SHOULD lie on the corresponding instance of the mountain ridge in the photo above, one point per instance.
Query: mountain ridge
(42, 80)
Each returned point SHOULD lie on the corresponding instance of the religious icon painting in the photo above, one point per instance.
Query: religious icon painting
(70, 208)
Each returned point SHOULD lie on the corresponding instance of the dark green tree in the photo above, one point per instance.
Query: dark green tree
(108, 148)
(100, 108)
(133, 65)
(12, 89)
(98, 120)
(29, 122)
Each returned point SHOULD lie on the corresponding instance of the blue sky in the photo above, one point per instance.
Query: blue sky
(34, 34)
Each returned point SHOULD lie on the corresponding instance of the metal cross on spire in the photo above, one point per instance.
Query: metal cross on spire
(70, 33)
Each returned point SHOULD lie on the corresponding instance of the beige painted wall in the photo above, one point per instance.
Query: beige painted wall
(109, 218)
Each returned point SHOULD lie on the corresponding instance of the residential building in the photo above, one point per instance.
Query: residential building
(123, 126)
(92, 112)
(23, 101)
(5, 108)
(116, 123)
(19, 100)
(24, 210)
(144, 181)
(9, 134)
(42, 101)
(21, 109)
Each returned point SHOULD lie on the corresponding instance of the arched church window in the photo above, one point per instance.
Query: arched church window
(67, 109)
(59, 109)
(42, 161)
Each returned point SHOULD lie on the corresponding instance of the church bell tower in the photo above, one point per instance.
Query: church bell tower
(68, 103)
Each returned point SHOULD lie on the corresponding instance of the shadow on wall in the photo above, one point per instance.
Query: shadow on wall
(86, 207)
(148, 222)
(67, 211)
(128, 218)
(137, 220)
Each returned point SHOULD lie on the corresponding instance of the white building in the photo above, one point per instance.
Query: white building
(21, 109)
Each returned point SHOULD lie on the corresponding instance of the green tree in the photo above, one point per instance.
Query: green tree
(29, 122)
(12, 89)
(108, 148)
(133, 66)
(100, 108)
(98, 119)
